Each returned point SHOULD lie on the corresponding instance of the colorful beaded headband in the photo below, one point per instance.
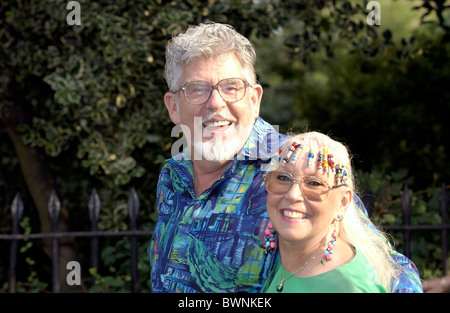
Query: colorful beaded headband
(325, 161)
(294, 149)
(341, 175)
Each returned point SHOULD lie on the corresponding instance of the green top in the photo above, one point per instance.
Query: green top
(358, 275)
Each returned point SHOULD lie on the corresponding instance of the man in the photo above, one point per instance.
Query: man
(209, 236)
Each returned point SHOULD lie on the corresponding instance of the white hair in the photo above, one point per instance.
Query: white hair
(207, 40)
(357, 230)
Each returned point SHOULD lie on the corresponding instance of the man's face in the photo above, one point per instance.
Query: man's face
(216, 130)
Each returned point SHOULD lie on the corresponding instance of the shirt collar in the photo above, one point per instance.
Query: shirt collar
(263, 142)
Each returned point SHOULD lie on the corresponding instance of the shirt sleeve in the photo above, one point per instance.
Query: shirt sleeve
(409, 279)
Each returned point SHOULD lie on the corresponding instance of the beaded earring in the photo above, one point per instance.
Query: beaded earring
(328, 253)
(270, 239)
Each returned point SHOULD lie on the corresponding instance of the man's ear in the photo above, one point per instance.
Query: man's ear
(255, 98)
(169, 101)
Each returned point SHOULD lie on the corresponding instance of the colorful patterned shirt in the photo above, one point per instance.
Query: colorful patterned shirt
(215, 242)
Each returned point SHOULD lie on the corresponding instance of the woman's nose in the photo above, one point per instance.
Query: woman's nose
(295, 192)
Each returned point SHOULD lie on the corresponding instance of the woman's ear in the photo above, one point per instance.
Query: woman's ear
(171, 105)
(347, 198)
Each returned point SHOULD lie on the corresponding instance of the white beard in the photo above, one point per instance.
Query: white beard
(217, 149)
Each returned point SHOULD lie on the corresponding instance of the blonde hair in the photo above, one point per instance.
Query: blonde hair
(355, 228)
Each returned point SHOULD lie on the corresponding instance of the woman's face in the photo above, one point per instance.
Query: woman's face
(296, 217)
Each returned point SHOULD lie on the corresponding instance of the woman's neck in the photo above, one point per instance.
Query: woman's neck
(303, 258)
(296, 254)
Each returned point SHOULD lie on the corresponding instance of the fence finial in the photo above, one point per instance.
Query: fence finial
(94, 205)
(406, 204)
(133, 204)
(54, 206)
(17, 208)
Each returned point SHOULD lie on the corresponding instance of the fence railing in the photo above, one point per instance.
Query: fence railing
(54, 206)
(407, 228)
(94, 205)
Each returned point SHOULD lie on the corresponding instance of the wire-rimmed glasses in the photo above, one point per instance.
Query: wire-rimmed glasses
(313, 188)
(199, 92)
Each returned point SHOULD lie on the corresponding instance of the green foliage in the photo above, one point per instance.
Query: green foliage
(386, 189)
(116, 265)
(396, 114)
(32, 282)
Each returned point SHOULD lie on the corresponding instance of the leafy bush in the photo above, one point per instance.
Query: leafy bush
(385, 192)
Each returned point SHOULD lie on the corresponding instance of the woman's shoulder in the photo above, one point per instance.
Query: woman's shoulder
(360, 275)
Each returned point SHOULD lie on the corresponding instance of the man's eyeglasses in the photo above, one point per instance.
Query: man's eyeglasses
(199, 92)
(313, 188)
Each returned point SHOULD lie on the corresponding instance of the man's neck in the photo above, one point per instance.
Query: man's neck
(206, 173)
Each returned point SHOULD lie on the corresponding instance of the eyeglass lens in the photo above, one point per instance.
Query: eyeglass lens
(313, 188)
(199, 92)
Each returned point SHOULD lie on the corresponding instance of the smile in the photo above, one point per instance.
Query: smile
(216, 123)
(296, 215)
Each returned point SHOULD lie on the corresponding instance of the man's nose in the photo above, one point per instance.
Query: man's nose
(215, 100)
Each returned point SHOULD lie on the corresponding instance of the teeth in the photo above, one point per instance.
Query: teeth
(293, 214)
(217, 123)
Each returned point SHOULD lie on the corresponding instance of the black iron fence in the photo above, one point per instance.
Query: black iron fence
(406, 228)
(54, 206)
(94, 205)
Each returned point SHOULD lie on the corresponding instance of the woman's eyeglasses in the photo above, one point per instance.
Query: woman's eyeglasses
(313, 188)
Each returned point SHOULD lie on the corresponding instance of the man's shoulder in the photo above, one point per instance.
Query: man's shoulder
(409, 279)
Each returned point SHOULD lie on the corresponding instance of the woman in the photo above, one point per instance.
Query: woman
(326, 244)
